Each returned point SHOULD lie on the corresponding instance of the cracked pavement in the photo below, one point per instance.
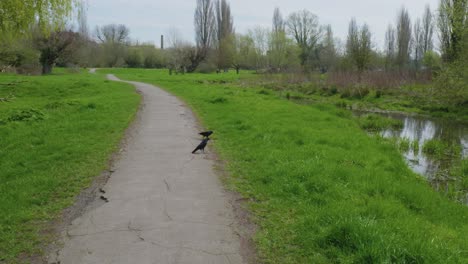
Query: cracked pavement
(166, 205)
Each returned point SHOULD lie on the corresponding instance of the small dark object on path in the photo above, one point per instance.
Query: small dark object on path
(201, 146)
(102, 190)
(206, 133)
(104, 198)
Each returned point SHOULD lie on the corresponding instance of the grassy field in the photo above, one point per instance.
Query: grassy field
(321, 189)
(414, 98)
(56, 133)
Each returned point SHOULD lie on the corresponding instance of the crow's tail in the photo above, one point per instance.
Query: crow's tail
(193, 152)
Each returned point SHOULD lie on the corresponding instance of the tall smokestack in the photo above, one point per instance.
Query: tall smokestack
(162, 42)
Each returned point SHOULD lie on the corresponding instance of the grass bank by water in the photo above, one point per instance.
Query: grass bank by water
(56, 133)
(321, 189)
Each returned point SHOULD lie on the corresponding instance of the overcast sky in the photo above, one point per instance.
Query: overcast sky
(149, 19)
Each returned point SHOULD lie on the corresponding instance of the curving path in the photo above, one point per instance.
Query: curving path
(165, 204)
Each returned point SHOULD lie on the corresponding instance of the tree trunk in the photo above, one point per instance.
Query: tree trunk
(47, 68)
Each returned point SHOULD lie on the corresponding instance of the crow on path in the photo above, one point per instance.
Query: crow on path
(206, 134)
(201, 146)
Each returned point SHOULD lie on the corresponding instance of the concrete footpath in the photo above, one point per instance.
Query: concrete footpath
(166, 205)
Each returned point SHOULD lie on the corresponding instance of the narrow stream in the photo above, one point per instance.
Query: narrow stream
(439, 172)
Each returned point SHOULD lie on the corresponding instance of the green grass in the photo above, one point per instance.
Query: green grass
(375, 122)
(56, 133)
(463, 173)
(440, 149)
(404, 144)
(321, 190)
(415, 146)
(410, 98)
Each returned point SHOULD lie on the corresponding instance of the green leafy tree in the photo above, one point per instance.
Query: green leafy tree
(134, 58)
(452, 23)
(431, 61)
(17, 17)
(359, 46)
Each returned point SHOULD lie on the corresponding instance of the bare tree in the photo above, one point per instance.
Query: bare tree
(359, 46)
(178, 51)
(278, 41)
(113, 33)
(83, 21)
(418, 42)
(327, 52)
(278, 22)
(204, 21)
(428, 30)
(204, 24)
(403, 34)
(259, 37)
(224, 34)
(305, 29)
(174, 38)
(224, 20)
(390, 46)
(114, 41)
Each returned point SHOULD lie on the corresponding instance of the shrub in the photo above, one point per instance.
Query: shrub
(134, 59)
(206, 67)
(404, 144)
(26, 115)
(375, 122)
(218, 100)
(438, 149)
(452, 84)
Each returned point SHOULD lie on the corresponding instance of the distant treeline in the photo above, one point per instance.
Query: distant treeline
(297, 42)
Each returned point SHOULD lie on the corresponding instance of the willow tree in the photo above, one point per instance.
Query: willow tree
(16, 17)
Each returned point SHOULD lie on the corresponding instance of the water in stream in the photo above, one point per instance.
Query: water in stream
(418, 130)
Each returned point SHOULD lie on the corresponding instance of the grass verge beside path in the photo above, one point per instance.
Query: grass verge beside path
(56, 133)
(321, 189)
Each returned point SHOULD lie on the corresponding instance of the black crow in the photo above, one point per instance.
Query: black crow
(206, 133)
(104, 198)
(201, 146)
(102, 190)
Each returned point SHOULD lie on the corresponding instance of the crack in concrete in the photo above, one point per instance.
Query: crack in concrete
(168, 187)
(165, 210)
(186, 162)
(198, 250)
(56, 259)
(140, 236)
(96, 233)
(228, 259)
(201, 223)
(136, 231)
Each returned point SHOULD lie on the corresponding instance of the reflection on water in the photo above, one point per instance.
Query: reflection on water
(417, 131)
